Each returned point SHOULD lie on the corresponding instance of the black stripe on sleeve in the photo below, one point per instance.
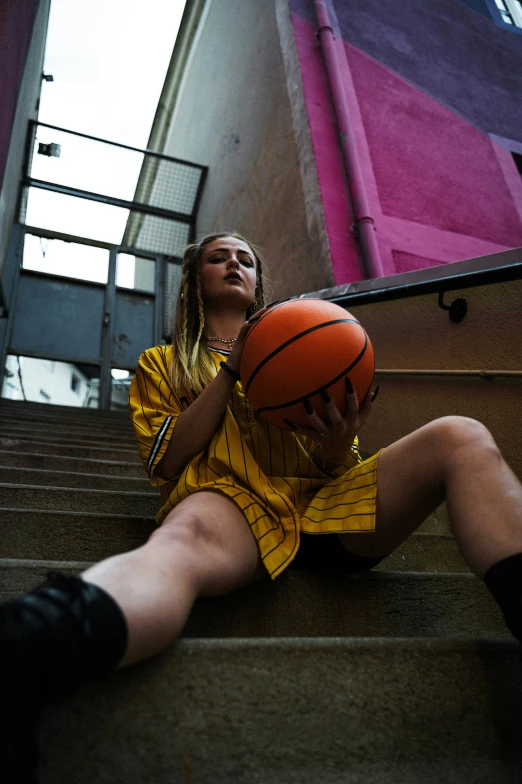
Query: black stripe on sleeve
(158, 442)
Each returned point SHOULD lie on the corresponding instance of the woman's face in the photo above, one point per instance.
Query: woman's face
(228, 273)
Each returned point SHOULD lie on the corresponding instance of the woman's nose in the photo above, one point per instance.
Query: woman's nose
(232, 262)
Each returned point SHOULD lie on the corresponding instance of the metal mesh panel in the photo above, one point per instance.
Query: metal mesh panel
(173, 274)
(105, 222)
(135, 272)
(114, 170)
(161, 236)
(164, 183)
(122, 195)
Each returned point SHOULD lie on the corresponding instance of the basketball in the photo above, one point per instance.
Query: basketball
(298, 348)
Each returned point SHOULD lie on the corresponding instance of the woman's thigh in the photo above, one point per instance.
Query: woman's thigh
(209, 532)
(410, 486)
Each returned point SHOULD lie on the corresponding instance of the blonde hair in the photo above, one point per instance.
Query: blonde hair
(192, 365)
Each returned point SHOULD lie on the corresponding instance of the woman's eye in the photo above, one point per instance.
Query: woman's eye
(247, 263)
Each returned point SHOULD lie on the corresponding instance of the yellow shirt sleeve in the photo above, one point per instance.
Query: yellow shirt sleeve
(154, 408)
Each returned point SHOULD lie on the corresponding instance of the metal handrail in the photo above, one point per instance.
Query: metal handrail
(123, 146)
(436, 285)
(134, 206)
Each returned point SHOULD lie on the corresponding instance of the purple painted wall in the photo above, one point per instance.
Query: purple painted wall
(16, 27)
(430, 165)
(449, 51)
(440, 189)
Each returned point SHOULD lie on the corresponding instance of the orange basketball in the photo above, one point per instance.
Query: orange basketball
(298, 348)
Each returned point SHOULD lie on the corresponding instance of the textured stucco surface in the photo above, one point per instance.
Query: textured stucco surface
(430, 165)
(23, 27)
(439, 188)
(455, 55)
(325, 142)
(416, 333)
(233, 115)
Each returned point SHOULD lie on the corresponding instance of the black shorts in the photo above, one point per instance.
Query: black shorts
(325, 553)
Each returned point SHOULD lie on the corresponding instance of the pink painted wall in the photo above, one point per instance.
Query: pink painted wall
(440, 190)
(16, 25)
(337, 211)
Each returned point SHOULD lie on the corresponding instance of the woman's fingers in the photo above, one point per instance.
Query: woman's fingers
(352, 404)
(366, 406)
(331, 409)
(320, 427)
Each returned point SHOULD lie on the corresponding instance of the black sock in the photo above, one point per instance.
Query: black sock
(504, 581)
(61, 635)
(52, 640)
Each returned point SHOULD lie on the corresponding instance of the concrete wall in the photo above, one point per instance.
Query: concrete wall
(232, 114)
(428, 85)
(416, 333)
(23, 31)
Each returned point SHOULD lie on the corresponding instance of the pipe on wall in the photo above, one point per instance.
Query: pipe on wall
(363, 221)
(486, 374)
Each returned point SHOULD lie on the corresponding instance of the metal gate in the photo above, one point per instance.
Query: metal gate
(103, 324)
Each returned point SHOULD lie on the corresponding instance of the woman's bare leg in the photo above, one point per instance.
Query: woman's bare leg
(453, 459)
(203, 548)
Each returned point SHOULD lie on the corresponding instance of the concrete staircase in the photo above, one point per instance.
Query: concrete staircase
(407, 675)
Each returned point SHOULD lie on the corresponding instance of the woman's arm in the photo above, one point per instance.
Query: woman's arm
(197, 424)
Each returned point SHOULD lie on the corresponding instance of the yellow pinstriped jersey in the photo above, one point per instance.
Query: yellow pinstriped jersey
(267, 471)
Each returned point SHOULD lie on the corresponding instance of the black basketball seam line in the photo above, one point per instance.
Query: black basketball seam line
(311, 394)
(278, 305)
(260, 319)
(298, 337)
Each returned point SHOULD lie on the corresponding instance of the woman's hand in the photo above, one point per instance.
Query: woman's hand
(234, 357)
(336, 437)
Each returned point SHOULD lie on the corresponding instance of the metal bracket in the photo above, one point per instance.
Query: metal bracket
(457, 309)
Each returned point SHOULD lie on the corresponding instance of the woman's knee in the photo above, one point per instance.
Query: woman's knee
(217, 553)
(185, 530)
(459, 437)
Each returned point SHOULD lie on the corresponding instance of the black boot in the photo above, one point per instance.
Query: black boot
(52, 640)
(504, 580)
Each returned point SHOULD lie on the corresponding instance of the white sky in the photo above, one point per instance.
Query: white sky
(109, 59)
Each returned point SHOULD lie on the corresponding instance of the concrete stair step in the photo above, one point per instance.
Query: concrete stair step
(71, 449)
(34, 419)
(299, 604)
(10, 426)
(26, 407)
(44, 476)
(79, 536)
(425, 553)
(88, 535)
(320, 711)
(61, 436)
(76, 499)
(438, 522)
(76, 464)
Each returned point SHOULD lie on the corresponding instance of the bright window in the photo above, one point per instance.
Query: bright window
(510, 11)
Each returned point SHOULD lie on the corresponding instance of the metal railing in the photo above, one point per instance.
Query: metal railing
(160, 194)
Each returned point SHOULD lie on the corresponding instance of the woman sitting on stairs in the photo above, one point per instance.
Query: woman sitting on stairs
(240, 498)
